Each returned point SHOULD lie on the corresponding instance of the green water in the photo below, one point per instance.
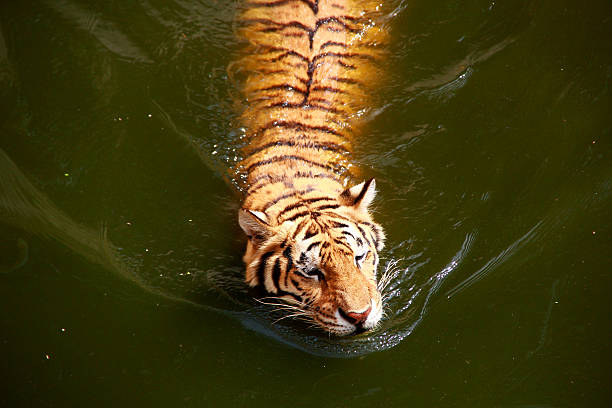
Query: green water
(120, 254)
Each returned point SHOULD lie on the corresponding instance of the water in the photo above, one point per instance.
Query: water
(120, 251)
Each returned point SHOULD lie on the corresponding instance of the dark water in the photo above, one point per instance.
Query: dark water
(120, 269)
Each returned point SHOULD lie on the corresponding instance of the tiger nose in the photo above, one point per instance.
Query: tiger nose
(354, 317)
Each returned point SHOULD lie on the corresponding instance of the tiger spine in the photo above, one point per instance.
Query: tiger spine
(311, 66)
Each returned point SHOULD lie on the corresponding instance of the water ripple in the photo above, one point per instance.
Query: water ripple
(105, 31)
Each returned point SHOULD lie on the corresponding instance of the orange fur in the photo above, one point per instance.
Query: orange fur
(310, 69)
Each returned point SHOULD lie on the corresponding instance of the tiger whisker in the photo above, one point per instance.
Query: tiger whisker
(297, 316)
(294, 311)
(280, 305)
(391, 271)
(280, 309)
(282, 302)
(314, 325)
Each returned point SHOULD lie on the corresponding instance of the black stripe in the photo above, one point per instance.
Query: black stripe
(345, 65)
(291, 207)
(302, 203)
(320, 99)
(331, 176)
(287, 53)
(363, 235)
(276, 26)
(350, 235)
(350, 81)
(336, 215)
(284, 87)
(332, 43)
(375, 230)
(286, 157)
(310, 233)
(337, 20)
(340, 242)
(327, 89)
(376, 236)
(342, 55)
(313, 6)
(275, 71)
(287, 254)
(325, 108)
(266, 180)
(328, 20)
(310, 72)
(314, 244)
(292, 34)
(279, 26)
(328, 207)
(328, 146)
(300, 226)
(304, 105)
(276, 272)
(296, 284)
(279, 143)
(299, 126)
(279, 198)
(365, 188)
(315, 199)
(261, 269)
(297, 215)
(287, 195)
(318, 273)
(284, 53)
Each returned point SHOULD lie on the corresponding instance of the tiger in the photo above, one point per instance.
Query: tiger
(309, 68)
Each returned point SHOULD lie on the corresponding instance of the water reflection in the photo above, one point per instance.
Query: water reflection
(24, 207)
(106, 32)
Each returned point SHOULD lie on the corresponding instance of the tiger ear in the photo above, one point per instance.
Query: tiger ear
(359, 196)
(254, 223)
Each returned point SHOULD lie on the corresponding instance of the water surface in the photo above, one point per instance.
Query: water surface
(120, 254)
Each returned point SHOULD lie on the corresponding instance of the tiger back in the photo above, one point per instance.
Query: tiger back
(311, 66)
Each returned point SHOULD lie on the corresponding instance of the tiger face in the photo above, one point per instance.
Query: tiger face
(323, 262)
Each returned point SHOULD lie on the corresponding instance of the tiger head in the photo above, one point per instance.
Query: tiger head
(321, 261)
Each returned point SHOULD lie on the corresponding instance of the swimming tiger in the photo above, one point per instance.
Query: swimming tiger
(312, 242)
